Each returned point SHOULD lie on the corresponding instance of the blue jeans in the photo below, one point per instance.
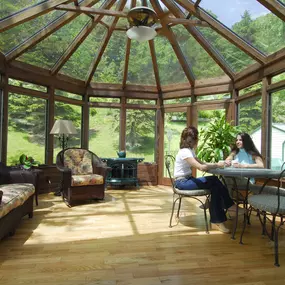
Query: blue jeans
(220, 198)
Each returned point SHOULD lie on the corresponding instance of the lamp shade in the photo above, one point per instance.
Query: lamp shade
(141, 33)
(61, 127)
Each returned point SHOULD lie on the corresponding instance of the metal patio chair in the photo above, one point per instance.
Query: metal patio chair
(179, 194)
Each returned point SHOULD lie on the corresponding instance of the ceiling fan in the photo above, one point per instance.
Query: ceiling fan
(142, 22)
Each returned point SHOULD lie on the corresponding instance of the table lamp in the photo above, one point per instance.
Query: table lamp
(63, 128)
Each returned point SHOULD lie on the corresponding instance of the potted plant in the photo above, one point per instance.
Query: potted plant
(27, 161)
(216, 139)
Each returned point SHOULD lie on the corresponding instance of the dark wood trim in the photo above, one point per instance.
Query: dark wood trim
(97, 11)
(4, 142)
(168, 108)
(183, 21)
(276, 86)
(85, 124)
(265, 120)
(123, 124)
(118, 87)
(141, 106)
(223, 31)
(155, 65)
(68, 100)
(26, 72)
(275, 64)
(119, 94)
(275, 7)
(104, 105)
(159, 142)
(29, 14)
(27, 91)
(249, 95)
(126, 67)
(50, 122)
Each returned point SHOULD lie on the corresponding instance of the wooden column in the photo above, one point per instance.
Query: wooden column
(5, 119)
(265, 123)
(159, 143)
(85, 123)
(50, 122)
(123, 122)
(231, 108)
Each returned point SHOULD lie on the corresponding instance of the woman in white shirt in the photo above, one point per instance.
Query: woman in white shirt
(186, 160)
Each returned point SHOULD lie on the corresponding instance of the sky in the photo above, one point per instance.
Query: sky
(229, 11)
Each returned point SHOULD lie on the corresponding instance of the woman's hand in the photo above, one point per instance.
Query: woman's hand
(221, 164)
(228, 162)
(239, 165)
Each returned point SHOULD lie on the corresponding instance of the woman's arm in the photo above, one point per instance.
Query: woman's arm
(202, 166)
(258, 163)
(229, 159)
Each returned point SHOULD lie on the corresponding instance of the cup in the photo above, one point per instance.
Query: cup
(234, 161)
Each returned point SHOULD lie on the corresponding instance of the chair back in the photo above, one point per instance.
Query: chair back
(169, 161)
(78, 160)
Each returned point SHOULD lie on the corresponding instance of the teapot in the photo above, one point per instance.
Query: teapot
(121, 154)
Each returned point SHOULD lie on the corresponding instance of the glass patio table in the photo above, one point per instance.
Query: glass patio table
(246, 173)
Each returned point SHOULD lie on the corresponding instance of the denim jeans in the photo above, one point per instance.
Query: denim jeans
(220, 198)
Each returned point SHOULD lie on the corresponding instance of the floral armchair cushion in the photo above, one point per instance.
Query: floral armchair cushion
(79, 161)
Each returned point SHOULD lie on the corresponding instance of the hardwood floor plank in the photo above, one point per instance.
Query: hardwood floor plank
(125, 240)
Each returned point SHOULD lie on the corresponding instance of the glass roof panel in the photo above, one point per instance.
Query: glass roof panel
(18, 34)
(251, 21)
(236, 58)
(9, 7)
(111, 66)
(47, 52)
(198, 59)
(170, 70)
(99, 4)
(78, 64)
(140, 69)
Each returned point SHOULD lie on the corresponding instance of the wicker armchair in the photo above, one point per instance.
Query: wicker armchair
(83, 175)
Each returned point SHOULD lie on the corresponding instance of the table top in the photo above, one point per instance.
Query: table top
(247, 172)
(139, 159)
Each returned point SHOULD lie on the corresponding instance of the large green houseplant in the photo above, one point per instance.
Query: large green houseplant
(215, 140)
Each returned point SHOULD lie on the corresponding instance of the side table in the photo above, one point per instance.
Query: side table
(49, 179)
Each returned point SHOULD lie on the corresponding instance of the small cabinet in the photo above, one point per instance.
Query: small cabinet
(124, 171)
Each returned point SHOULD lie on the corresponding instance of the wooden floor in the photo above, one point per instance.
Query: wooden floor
(125, 240)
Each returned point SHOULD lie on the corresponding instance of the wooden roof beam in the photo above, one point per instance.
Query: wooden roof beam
(83, 34)
(155, 65)
(28, 14)
(201, 40)
(197, 3)
(126, 67)
(275, 7)
(184, 21)
(96, 11)
(46, 31)
(96, 61)
(224, 31)
(127, 55)
(171, 37)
